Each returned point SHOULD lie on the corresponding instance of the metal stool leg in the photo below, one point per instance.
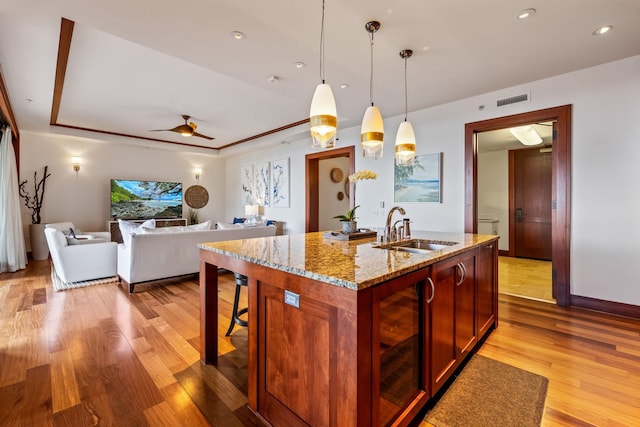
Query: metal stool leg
(235, 313)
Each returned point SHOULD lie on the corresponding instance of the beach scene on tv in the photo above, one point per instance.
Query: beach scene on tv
(145, 199)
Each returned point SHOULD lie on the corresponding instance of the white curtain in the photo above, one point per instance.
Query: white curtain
(13, 254)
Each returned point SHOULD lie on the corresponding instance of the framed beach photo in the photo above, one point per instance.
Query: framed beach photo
(420, 182)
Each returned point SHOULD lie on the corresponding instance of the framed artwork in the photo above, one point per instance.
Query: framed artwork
(419, 182)
(246, 181)
(261, 182)
(280, 183)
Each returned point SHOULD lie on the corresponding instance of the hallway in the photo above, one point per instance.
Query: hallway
(528, 278)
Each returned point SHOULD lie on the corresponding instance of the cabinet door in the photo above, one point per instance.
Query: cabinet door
(398, 316)
(465, 307)
(442, 318)
(486, 287)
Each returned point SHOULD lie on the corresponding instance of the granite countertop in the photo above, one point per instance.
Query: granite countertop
(355, 264)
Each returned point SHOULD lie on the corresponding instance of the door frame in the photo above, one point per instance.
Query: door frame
(560, 183)
(312, 182)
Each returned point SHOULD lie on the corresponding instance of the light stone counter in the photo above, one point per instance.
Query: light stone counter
(355, 264)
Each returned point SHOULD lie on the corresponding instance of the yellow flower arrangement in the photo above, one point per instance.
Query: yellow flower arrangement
(363, 174)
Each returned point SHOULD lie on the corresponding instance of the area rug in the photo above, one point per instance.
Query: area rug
(60, 285)
(491, 393)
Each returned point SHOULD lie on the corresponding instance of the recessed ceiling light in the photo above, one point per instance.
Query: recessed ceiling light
(344, 86)
(602, 30)
(300, 64)
(237, 35)
(524, 14)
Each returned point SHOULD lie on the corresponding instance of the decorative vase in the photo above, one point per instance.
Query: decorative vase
(349, 226)
(39, 247)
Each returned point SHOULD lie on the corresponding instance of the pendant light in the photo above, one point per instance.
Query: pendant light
(405, 138)
(323, 116)
(372, 131)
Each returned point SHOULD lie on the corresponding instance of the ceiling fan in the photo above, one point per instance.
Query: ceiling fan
(187, 129)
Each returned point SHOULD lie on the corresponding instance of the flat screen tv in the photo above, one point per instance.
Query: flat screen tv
(131, 199)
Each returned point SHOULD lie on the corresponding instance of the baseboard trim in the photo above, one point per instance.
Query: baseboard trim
(503, 252)
(612, 307)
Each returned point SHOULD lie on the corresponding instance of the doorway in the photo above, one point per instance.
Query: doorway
(312, 183)
(560, 186)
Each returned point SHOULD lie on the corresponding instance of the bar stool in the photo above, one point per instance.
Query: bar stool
(241, 280)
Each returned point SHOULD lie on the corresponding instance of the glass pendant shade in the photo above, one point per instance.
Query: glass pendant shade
(405, 144)
(372, 133)
(323, 117)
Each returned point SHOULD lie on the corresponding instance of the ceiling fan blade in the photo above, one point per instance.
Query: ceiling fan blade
(187, 129)
(203, 136)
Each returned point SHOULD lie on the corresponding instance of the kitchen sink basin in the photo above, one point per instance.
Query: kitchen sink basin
(417, 245)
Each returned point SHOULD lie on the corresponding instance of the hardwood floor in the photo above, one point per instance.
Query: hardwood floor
(528, 278)
(97, 356)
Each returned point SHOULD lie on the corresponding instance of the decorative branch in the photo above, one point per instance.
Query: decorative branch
(35, 203)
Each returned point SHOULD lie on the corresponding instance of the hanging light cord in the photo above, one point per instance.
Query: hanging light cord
(371, 69)
(322, 45)
(405, 89)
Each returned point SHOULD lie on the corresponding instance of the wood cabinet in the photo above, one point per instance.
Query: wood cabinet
(486, 287)
(307, 345)
(452, 316)
(326, 355)
(431, 320)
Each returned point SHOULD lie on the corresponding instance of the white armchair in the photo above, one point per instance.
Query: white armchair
(65, 226)
(80, 262)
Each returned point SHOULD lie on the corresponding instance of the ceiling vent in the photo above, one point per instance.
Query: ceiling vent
(512, 100)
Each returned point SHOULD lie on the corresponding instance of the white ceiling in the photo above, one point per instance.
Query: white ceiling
(138, 65)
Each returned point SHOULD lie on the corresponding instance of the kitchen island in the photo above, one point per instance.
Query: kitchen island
(343, 333)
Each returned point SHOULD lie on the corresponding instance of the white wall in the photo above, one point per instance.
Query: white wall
(605, 234)
(85, 199)
(493, 192)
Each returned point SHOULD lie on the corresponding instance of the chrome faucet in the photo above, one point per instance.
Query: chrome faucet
(387, 230)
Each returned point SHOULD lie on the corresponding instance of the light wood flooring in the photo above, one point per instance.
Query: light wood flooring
(97, 356)
(528, 278)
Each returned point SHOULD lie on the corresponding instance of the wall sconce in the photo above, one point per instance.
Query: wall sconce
(75, 162)
(198, 171)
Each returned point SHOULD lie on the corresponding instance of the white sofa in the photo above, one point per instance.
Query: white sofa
(83, 259)
(163, 254)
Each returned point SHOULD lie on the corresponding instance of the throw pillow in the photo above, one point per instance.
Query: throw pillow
(227, 226)
(201, 226)
(72, 232)
(128, 228)
(177, 228)
(238, 220)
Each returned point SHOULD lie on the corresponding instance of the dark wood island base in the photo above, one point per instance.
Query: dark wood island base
(330, 323)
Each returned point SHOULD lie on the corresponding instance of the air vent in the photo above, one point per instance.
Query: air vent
(512, 100)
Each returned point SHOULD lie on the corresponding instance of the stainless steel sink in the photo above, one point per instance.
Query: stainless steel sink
(417, 245)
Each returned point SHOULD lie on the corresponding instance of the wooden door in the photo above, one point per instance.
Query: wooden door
(531, 216)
